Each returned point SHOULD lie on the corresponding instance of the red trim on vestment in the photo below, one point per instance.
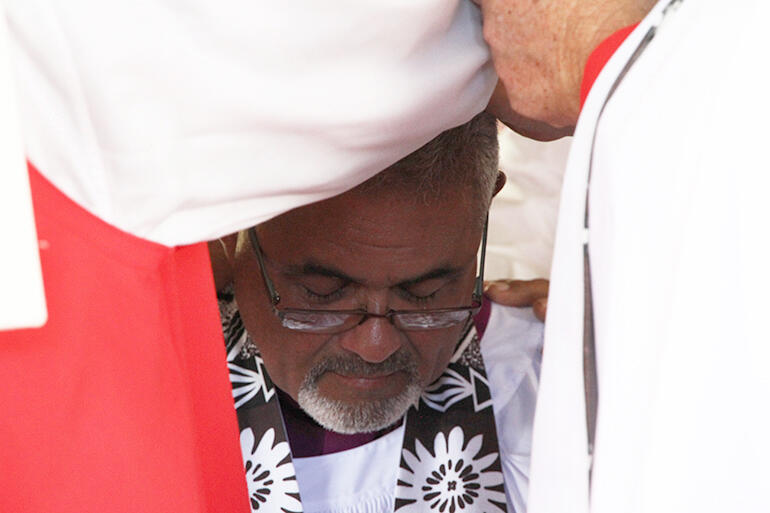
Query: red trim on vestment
(599, 58)
(121, 402)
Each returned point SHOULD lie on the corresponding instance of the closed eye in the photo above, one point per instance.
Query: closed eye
(417, 298)
(325, 297)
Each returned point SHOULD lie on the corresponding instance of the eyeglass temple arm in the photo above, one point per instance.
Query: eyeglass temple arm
(274, 296)
(478, 290)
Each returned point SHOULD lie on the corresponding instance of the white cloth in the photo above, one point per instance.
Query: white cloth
(181, 121)
(362, 480)
(23, 303)
(679, 246)
(522, 218)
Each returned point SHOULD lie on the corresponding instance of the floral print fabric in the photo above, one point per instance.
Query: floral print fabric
(450, 458)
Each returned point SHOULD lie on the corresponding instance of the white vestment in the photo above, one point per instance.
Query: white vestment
(363, 479)
(182, 121)
(679, 249)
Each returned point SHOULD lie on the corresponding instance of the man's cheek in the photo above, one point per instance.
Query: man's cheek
(286, 368)
(434, 358)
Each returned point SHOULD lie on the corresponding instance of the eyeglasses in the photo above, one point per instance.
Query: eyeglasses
(337, 321)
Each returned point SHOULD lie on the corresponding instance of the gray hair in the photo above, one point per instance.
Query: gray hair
(465, 156)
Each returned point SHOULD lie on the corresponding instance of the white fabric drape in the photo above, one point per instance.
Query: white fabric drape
(181, 121)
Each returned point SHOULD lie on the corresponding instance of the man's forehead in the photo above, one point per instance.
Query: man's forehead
(402, 277)
(390, 217)
(359, 238)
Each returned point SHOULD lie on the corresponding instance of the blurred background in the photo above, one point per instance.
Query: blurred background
(522, 219)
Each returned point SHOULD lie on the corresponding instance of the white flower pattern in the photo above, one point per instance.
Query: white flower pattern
(452, 387)
(272, 485)
(451, 479)
(248, 383)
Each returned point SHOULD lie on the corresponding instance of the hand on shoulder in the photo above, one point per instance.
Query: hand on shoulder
(520, 293)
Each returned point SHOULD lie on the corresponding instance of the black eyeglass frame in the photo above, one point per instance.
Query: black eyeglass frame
(275, 297)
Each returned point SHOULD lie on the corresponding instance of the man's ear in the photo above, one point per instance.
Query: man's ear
(222, 255)
(229, 242)
(499, 183)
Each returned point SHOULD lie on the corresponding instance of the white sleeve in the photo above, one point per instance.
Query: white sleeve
(182, 121)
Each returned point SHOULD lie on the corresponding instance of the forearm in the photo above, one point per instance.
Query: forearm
(540, 49)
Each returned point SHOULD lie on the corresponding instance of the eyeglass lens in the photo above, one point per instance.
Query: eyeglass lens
(327, 322)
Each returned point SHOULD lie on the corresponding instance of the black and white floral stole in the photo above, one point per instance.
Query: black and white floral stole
(450, 456)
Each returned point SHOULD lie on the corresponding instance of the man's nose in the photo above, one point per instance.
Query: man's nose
(374, 340)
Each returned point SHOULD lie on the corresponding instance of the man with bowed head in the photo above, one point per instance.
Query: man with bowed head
(142, 149)
(368, 372)
(653, 393)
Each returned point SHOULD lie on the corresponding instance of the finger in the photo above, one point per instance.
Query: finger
(517, 292)
(540, 307)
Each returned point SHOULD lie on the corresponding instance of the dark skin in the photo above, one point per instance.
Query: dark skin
(521, 293)
(377, 252)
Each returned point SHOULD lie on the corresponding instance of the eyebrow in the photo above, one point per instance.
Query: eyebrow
(314, 268)
(441, 272)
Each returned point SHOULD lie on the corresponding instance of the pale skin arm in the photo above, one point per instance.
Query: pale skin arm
(538, 130)
(540, 48)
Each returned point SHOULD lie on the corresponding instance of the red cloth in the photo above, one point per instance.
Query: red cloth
(599, 58)
(121, 402)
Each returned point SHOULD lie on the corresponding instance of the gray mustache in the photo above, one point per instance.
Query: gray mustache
(354, 365)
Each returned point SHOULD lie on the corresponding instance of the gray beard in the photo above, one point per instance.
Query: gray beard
(362, 417)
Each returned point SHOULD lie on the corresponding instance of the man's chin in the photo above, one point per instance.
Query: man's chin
(362, 410)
